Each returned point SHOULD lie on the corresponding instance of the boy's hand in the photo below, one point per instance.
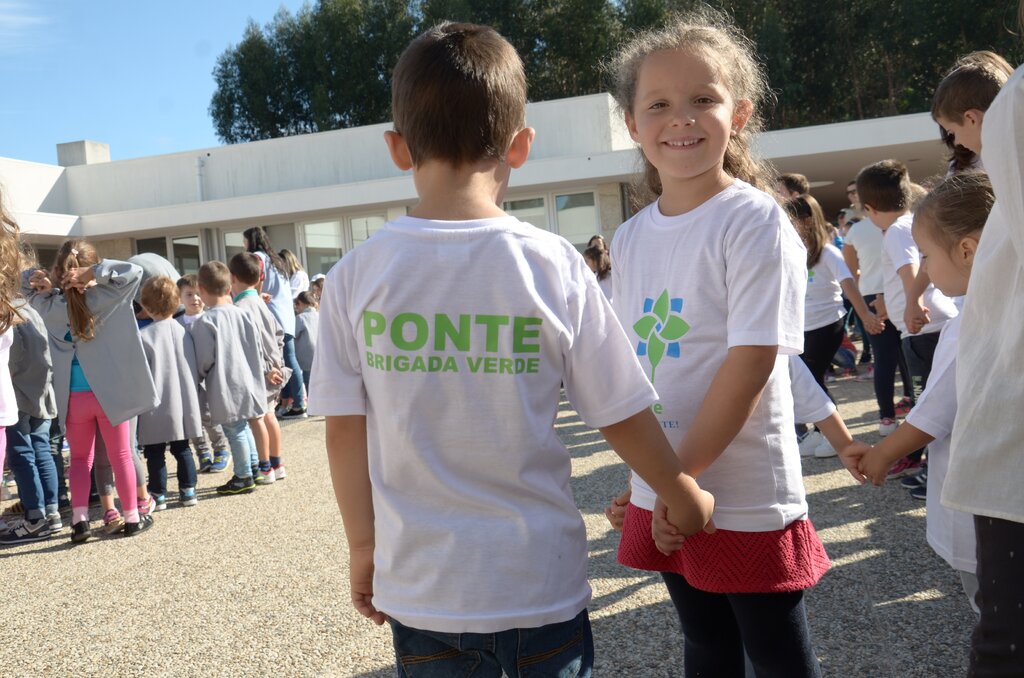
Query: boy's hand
(851, 456)
(873, 324)
(265, 297)
(879, 306)
(78, 278)
(666, 537)
(40, 281)
(275, 377)
(916, 316)
(615, 512)
(360, 565)
(875, 466)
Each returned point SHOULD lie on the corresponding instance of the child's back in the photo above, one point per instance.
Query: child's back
(462, 334)
(170, 353)
(307, 328)
(230, 364)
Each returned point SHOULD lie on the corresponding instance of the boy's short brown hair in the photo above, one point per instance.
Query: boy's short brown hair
(971, 84)
(884, 186)
(245, 266)
(458, 94)
(795, 183)
(159, 297)
(189, 280)
(214, 278)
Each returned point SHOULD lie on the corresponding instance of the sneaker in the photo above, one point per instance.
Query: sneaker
(294, 413)
(80, 532)
(887, 426)
(112, 522)
(809, 443)
(148, 505)
(187, 496)
(56, 524)
(279, 471)
(159, 501)
(205, 463)
(915, 480)
(830, 378)
(850, 372)
(220, 461)
(902, 467)
(920, 492)
(133, 529)
(824, 449)
(867, 375)
(903, 407)
(63, 502)
(237, 486)
(7, 527)
(28, 531)
(267, 477)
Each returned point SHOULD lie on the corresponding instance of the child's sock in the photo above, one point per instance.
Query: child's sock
(264, 466)
(275, 461)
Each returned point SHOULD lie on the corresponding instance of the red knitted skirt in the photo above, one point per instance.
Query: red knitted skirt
(790, 559)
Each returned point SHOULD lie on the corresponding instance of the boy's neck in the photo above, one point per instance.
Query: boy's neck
(886, 219)
(238, 290)
(679, 196)
(219, 301)
(461, 193)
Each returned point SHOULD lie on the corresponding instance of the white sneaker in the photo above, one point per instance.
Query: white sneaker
(265, 477)
(824, 449)
(810, 443)
(887, 427)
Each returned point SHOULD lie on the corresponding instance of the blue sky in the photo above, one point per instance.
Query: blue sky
(134, 74)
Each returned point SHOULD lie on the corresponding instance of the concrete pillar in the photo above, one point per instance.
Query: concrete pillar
(610, 211)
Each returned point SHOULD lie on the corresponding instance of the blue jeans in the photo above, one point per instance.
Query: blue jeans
(562, 650)
(156, 463)
(294, 388)
(240, 441)
(28, 448)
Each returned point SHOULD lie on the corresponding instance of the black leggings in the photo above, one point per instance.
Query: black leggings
(820, 347)
(998, 639)
(888, 357)
(718, 627)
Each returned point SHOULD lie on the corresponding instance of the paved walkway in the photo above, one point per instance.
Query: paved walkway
(257, 585)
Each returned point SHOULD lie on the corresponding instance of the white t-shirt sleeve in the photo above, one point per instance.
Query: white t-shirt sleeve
(900, 246)
(935, 410)
(810, 403)
(336, 382)
(833, 258)
(603, 378)
(766, 278)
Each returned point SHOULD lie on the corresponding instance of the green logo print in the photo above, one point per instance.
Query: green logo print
(660, 329)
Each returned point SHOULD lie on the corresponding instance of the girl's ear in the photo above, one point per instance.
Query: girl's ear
(974, 116)
(741, 113)
(399, 150)
(631, 126)
(966, 248)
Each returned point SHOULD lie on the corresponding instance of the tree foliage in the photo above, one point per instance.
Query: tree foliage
(329, 65)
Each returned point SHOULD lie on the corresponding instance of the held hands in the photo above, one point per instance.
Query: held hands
(275, 377)
(615, 512)
(360, 566)
(916, 316)
(851, 457)
(879, 306)
(667, 538)
(873, 324)
(875, 465)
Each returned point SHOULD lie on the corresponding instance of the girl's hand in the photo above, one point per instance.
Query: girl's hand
(615, 512)
(40, 281)
(879, 306)
(873, 324)
(78, 278)
(875, 466)
(360, 567)
(851, 457)
(666, 537)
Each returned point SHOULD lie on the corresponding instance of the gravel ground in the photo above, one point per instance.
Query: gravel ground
(257, 585)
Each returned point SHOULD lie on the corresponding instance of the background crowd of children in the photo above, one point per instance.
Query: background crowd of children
(127, 359)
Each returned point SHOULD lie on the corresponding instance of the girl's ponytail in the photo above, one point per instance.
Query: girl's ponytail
(76, 254)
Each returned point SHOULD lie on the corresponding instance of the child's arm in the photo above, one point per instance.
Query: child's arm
(615, 512)
(838, 436)
(876, 461)
(640, 442)
(347, 457)
(729, 402)
(914, 282)
(116, 283)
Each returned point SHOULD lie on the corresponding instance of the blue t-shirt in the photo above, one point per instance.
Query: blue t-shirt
(277, 286)
(79, 384)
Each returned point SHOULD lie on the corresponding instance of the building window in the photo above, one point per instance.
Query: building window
(577, 218)
(530, 210)
(324, 246)
(151, 246)
(186, 254)
(233, 244)
(364, 227)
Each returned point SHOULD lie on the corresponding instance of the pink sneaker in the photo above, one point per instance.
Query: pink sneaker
(112, 522)
(902, 467)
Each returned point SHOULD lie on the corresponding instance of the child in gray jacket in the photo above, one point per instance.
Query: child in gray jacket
(172, 362)
(307, 326)
(229, 362)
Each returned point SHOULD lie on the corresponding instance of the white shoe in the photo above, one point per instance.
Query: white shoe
(824, 449)
(810, 443)
(887, 427)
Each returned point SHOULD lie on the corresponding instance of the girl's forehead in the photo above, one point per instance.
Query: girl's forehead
(687, 65)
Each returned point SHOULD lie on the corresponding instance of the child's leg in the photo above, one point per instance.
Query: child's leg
(820, 347)
(274, 438)
(186, 464)
(217, 439)
(81, 433)
(118, 443)
(236, 433)
(250, 440)
(57, 452)
(294, 388)
(156, 464)
(22, 459)
(713, 646)
(260, 434)
(775, 633)
(44, 463)
(998, 639)
(101, 468)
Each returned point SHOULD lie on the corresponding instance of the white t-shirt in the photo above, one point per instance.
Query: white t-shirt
(823, 303)
(299, 282)
(866, 238)
(187, 319)
(898, 250)
(950, 533)
(986, 470)
(606, 287)
(454, 339)
(810, 403)
(731, 272)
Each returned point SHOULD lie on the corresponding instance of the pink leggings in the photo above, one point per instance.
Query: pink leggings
(84, 415)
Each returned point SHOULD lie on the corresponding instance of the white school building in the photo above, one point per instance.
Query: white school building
(320, 195)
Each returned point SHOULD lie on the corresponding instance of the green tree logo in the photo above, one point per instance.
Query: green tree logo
(660, 329)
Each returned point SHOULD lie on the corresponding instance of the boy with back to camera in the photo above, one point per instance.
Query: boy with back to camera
(444, 342)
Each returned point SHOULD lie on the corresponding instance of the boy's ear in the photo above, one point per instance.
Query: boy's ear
(399, 150)
(741, 113)
(966, 248)
(519, 149)
(974, 116)
(868, 209)
(631, 126)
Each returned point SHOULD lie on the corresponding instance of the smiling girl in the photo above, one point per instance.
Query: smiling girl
(709, 283)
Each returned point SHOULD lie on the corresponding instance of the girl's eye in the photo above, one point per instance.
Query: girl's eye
(705, 100)
(656, 105)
